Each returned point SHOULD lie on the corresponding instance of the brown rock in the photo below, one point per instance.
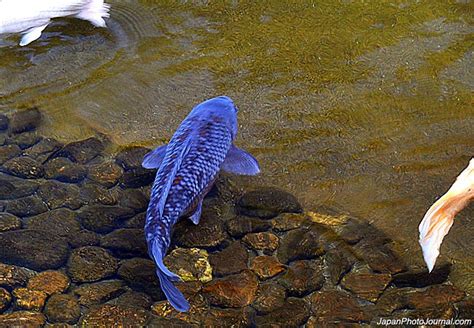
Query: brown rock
(366, 285)
(435, 295)
(290, 221)
(64, 170)
(62, 221)
(101, 218)
(27, 206)
(43, 149)
(262, 241)
(62, 308)
(269, 297)
(232, 291)
(9, 151)
(333, 306)
(338, 262)
(57, 194)
(106, 174)
(266, 266)
(5, 299)
(132, 298)
(300, 244)
(99, 292)
(134, 199)
(13, 276)
(25, 120)
(108, 315)
(84, 238)
(82, 151)
(227, 318)
(49, 282)
(232, 259)
(24, 167)
(379, 258)
(303, 277)
(293, 313)
(190, 264)
(199, 307)
(140, 274)
(23, 319)
(241, 225)
(91, 263)
(92, 193)
(267, 203)
(28, 299)
(9, 222)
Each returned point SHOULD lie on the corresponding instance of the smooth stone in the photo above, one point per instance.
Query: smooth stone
(5, 299)
(356, 230)
(57, 194)
(133, 298)
(9, 222)
(465, 308)
(367, 286)
(266, 242)
(4, 121)
(138, 221)
(24, 140)
(43, 149)
(293, 313)
(34, 249)
(299, 244)
(25, 120)
(270, 297)
(12, 187)
(140, 275)
(338, 262)
(126, 242)
(49, 282)
(158, 321)
(91, 263)
(12, 276)
(266, 267)
(28, 299)
(420, 277)
(26, 206)
(290, 221)
(107, 174)
(267, 203)
(232, 291)
(209, 233)
(333, 306)
(303, 277)
(134, 199)
(241, 225)
(232, 259)
(8, 152)
(84, 238)
(132, 157)
(108, 315)
(60, 221)
(62, 169)
(99, 292)
(82, 151)
(137, 177)
(102, 218)
(62, 308)
(380, 258)
(92, 193)
(23, 319)
(24, 167)
(190, 264)
(227, 318)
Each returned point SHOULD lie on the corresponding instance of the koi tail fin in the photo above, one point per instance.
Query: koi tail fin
(94, 11)
(174, 296)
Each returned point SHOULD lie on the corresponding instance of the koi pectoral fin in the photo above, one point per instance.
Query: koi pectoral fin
(240, 162)
(153, 159)
(33, 34)
(435, 225)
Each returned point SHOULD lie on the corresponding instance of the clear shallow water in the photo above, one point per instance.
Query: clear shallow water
(365, 107)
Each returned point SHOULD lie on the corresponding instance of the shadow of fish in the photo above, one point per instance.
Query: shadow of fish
(30, 17)
(187, 169)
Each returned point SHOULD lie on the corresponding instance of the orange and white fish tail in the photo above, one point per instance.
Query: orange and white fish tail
(440, 217)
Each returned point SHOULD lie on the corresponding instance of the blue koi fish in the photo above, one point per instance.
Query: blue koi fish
(187, 168)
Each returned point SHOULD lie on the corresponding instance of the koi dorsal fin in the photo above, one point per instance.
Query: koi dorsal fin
(240, 162)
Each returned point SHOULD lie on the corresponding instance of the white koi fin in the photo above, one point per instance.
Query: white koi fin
(32, 34)
(440, 217)
(240, 162)
(153, 159)
(95, 11)
(197, 214)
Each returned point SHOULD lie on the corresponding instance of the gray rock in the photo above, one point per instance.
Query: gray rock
(140, 274)
(9, 222)
(126, 242)
(267, 203)
(57, 194)
(61, 221)
(34, 249)
(27, 206)
(299, 244)
(82, 151)
(25, 120)
(12, 187)
(99, 292)
(24, 140)
(91, 263)
(101, 218)
(43, 149)
(62, 169)
(8, 152)
(62, 308)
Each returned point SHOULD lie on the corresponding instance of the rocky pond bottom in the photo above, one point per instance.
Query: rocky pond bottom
(72, 250)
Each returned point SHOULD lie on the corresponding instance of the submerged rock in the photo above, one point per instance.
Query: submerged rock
(126, 242)
(232, 259)
(107, 315)
(24, 167)
(24, 319)
(266, 266)
(266, 242)
(91, 263)
(140, 274)
(299, 244)
(8, 152)
(82, 151)
(134, 199)
(131, 158)
(232, 291)
(303, 277)
(241, 225)
(333, 307)
(107, 174)
(9, 222)
(5, 299)
(26, 206)
(227, 318)
(24, 140)
(99, 292)
(28, 299)
(61, 221)
(49, 282)
(64, 170)
(270, 297)
(12, 187)
(4, 121)
(25, 120)
(132, 298)
(267, 203)
(43, 149)
(421, 277)
(13, 276)
(293, 313)
(102, 218)
(366, 285)
(35, 249)
(84, 238)
(62, 308)
(189, 264)
(57, 194)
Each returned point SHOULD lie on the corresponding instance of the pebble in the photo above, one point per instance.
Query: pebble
(62, 308)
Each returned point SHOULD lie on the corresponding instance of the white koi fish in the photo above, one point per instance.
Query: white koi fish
(30, 17)
(440, 217)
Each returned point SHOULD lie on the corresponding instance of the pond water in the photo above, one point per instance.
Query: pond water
(365, 107)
